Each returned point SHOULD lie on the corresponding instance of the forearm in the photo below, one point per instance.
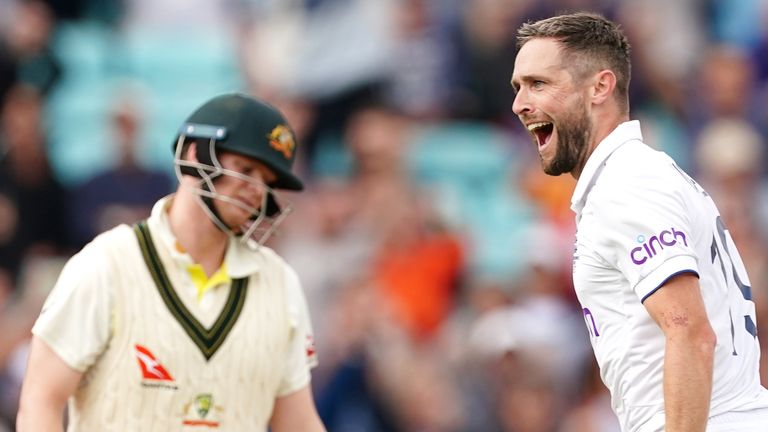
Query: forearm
(305, 421)
(48, 383)
(296, 412)
(40, 417)
(687, 383)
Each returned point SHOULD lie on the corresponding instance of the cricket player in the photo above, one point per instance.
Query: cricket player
(665, 296)
(185, 321)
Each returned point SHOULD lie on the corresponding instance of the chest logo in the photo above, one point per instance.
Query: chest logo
(201, 411)
(151, 369)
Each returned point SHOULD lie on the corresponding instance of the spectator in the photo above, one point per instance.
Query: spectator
(25, 52)
(125, 192)
(33, 201)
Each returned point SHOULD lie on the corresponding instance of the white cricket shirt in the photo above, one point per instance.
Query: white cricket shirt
(641, 220)
(123, 313)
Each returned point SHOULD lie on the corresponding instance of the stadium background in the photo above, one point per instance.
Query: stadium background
(435, 255)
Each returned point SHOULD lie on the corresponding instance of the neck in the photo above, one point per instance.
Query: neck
(196, 232)
(600, 130)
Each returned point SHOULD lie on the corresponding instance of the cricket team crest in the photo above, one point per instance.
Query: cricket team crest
(202, 411)
(281, 139)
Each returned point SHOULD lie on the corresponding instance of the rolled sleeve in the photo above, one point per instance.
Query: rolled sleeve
(669, 268)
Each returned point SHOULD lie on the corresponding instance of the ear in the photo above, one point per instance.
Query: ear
(603, 86)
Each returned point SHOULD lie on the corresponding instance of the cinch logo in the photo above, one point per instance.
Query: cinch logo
(649, 249)
(151, 369)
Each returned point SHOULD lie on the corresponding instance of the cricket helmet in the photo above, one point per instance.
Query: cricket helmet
(239, 124)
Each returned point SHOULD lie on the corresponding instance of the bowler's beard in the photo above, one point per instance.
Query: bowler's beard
(572, 141)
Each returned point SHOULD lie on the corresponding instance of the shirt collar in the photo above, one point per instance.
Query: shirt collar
(624, 132)
(240, 259)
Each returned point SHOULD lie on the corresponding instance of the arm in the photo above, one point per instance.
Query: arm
(48, 383)
(296, 412)
(677, 307)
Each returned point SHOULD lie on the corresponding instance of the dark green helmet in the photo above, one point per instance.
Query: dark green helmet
(241, 124)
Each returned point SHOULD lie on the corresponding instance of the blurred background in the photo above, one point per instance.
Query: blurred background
(434, 253)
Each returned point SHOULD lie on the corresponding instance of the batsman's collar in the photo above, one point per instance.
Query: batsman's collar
(624, 132)
(239, 259)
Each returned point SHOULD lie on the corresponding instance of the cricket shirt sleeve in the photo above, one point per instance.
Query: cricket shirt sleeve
(301, 355)
(75, 319)
(646, 228)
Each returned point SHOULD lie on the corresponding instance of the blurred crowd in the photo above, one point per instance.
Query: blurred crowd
(435, 255)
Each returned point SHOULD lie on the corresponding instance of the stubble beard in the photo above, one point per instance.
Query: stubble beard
(572, 141)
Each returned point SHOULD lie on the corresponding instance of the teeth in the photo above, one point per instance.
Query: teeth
(534, 126)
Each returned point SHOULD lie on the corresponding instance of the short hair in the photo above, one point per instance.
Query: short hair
(590, 42)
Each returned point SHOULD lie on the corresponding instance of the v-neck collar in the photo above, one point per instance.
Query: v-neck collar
(208, 340)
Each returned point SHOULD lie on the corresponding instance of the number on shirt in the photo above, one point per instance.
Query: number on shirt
(746, 290)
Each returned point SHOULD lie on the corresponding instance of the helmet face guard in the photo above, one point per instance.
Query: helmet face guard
(264, 219)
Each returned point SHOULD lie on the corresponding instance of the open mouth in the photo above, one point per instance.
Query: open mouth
(542, 131)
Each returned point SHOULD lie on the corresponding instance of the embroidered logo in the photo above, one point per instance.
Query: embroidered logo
(310, 346)
(281, 139)
(151, 369)
(201, 411)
